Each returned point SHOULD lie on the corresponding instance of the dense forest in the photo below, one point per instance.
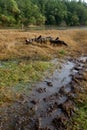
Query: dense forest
(43, 12)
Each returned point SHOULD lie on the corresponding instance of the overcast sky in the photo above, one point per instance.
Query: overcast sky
(83, 0)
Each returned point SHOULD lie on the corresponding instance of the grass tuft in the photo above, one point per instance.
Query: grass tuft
(62, 52)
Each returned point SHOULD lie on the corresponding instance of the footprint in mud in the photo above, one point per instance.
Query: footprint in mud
(41, 90)
(62, 90)
(50, 105)
(67, 107)
(59, 122)
(49, 84)
(34, 101)
(53, 97)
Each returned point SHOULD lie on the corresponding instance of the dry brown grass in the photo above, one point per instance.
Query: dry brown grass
(12, 43)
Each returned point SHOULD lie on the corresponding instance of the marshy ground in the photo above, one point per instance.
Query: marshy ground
(41, 85)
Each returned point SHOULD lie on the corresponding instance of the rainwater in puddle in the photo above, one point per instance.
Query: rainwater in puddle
(47, 95)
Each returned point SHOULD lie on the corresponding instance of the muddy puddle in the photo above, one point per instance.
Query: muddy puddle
(50, 103)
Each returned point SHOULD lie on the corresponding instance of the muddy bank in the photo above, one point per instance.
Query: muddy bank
(51, 103)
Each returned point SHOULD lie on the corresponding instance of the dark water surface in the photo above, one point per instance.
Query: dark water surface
(38, 110)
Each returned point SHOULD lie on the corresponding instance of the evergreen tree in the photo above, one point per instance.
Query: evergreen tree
(38, 12)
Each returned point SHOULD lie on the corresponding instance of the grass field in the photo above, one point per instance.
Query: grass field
(12, 43)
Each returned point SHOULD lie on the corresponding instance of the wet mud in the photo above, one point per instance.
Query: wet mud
(51, 102)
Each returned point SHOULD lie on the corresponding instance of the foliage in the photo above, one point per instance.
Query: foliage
(38, 12)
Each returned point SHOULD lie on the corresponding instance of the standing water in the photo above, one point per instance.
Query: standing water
(44, 105)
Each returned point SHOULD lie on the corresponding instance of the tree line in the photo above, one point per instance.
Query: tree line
(43, 12)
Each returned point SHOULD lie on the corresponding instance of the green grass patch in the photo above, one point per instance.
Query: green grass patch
(80, 119)
(62, 52)
(11, 73)
(17, 75)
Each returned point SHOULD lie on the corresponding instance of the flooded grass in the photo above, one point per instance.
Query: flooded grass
(17, 75)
